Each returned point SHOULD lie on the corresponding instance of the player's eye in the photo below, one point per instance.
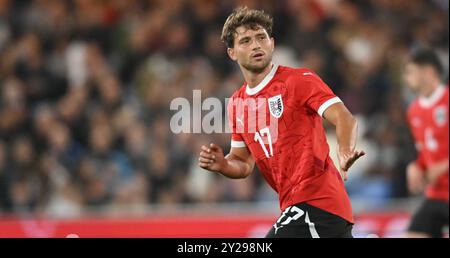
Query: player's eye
(244, 41)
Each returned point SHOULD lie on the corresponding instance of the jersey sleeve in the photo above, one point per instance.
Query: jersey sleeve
(236, 138)
(312, 92)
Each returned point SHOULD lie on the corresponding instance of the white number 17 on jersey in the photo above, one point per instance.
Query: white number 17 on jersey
(258, 137)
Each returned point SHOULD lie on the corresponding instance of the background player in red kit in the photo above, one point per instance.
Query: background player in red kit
(428, 120)
(292, 154)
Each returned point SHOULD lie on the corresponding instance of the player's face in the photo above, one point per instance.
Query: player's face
(413, 75)
(252, 49)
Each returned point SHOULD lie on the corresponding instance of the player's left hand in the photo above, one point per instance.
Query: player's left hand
(346, 159)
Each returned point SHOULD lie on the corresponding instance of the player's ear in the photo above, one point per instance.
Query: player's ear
(430, 71)
(231, 54)
(272, 40)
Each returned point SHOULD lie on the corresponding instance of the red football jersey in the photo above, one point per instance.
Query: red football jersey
(280, 122)
(428, 120)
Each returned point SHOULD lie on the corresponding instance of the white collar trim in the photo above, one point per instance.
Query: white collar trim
(427, 102)
(263, 83)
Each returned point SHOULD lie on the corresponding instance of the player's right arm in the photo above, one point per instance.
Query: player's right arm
(415, 170)
(415, 178)
(239, 163)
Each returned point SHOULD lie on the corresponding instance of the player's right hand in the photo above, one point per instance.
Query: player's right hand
(415, 178)
(212, 158)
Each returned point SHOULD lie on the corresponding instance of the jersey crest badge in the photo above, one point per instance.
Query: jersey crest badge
(276, 106)
(440, 115)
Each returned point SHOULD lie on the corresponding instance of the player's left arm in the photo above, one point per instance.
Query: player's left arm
(346, 132)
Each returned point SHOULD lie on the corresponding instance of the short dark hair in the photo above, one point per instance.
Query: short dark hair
(424, 57)
(249, 18)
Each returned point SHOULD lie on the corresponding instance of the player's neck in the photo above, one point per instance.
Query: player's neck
(253, 79)
(428, 91)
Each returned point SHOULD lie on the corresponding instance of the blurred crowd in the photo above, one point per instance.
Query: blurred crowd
(86, 86)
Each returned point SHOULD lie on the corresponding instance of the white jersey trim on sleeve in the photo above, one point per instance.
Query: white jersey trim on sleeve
(238, 144)
(327, 104)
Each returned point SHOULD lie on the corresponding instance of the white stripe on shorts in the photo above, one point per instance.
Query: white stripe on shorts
(312, 228)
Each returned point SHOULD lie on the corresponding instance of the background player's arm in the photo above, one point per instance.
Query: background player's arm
(415, 178)
(346, 132)
(418, 174)
(237, 164)
(436, 170)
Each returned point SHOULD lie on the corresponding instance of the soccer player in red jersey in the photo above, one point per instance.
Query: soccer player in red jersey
(428, 121)
(276, 122)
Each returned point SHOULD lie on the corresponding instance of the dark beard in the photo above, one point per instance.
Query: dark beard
(257, 68)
